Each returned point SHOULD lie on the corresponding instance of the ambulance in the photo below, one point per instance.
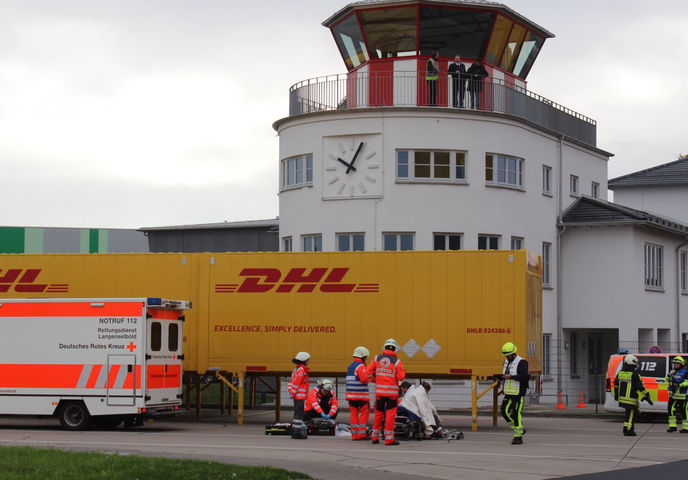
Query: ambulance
(97, 361)
(653, 369)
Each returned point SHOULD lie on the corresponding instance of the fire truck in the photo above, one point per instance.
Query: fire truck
(96, 361)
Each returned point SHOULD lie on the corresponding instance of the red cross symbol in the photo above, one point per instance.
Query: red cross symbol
(131, 347)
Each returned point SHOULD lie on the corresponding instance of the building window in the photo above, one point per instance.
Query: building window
(286, 244)
(546, 353)
(397, 241)
(595, 190)
(297, 171)
(504, 170)
(312, 243)
(546, 179)
(446, 241)
(546, 260)
(653, 266)
(426, 165)
(488, 242)
(683, 266)
(350, 242)
(516, 243)
(573, 184)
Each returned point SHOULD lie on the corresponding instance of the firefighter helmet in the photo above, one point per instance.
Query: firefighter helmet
(508, 348)
(361, 351)
(390, 342)
(679, 359)
(302, 356)
(630, 360)
(327, 385)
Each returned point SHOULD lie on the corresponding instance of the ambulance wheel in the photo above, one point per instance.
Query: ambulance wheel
(74, 416)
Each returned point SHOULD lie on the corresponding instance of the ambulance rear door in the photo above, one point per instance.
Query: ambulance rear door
(164, 357)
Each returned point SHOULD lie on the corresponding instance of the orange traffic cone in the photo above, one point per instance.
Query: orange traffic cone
(581, 403)
(560, 402)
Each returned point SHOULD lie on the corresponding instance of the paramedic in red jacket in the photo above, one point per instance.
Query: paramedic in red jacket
(298, 389)
(357, 394)
(386, 371)
(321, 402)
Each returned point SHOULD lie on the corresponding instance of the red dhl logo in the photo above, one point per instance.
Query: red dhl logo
(24, 281)
(327, 280)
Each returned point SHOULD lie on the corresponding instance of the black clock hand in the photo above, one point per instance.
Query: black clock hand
(353, 160)
(349, 166)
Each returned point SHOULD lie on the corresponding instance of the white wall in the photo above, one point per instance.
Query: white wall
(603, 281)
(471, 208)
(667, 201)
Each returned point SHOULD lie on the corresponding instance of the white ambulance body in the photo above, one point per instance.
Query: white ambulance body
(100, 361)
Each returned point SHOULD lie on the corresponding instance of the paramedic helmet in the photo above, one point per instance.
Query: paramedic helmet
(508, 349)
(630, 360)
(302, 357)
(391, 344)
(327, 384)
(360, 352)
(680, 360)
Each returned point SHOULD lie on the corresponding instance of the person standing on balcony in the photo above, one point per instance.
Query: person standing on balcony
(457, 70)
(432, 72)
(476, 73)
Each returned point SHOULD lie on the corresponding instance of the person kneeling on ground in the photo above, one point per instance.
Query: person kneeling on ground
(418, 406)
(321, 402)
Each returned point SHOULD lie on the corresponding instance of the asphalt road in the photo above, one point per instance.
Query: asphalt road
(554, 447)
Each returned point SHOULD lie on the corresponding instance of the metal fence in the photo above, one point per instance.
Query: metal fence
(410, 89)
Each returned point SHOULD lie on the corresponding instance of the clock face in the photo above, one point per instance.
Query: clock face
(352, 166)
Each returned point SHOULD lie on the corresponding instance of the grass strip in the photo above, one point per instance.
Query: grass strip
(27, 463)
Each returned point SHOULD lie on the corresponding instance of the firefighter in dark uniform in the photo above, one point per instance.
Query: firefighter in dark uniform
(678, 388)
(515, 383)
(628, 391)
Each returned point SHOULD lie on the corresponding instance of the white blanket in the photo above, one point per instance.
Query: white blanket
(416, 400)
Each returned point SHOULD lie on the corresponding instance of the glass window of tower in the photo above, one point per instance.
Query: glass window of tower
(454, 31)
(390, 32)
(350, 42)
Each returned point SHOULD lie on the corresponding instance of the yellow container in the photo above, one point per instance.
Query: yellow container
(451, 311)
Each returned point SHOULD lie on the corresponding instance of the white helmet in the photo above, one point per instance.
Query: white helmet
(360, 352)
(302, 356)
(327, 384)
(630, 360)
(390, 342)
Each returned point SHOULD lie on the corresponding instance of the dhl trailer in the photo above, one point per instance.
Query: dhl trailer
(450, 310)
(96, 360)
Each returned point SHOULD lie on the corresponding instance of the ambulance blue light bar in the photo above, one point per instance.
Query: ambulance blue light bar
(171, 304)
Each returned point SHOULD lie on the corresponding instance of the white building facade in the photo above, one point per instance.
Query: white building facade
(371, 161)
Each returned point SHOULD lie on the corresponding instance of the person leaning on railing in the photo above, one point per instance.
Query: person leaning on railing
(476, 73)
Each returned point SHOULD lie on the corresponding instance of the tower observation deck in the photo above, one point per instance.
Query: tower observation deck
(386, 44)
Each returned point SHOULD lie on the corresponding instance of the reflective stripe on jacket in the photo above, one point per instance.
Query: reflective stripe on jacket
(629, 388)
(357, 381)
(315, 401)
(386, 371)
(678, 383)
(512, 386)
(432, 71)
(298, 384)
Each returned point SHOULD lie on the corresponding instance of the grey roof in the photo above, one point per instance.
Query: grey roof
(468, 3)
(672, 173)
(593, 211)
(270, 223)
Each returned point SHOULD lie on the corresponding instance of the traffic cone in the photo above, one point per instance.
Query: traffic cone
(581, 403)
(560, 402)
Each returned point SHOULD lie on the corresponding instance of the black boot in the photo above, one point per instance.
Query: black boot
(517, 441)
(671, 429)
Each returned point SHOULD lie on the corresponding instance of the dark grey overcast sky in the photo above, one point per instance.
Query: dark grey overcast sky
(156, 112)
